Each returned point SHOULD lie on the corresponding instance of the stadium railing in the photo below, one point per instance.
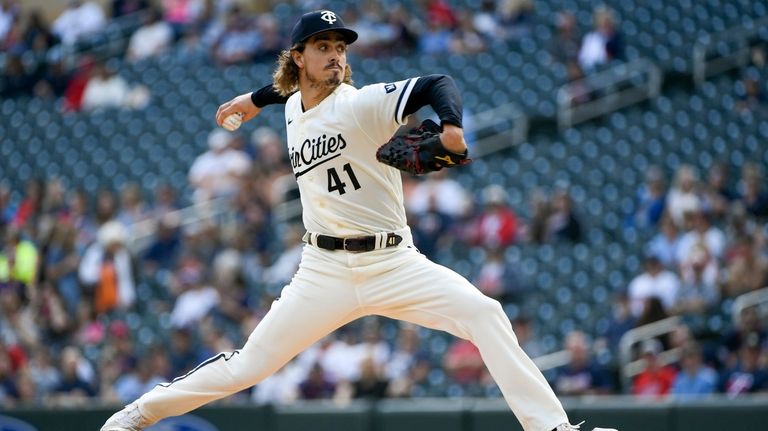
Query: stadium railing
(609, 90)
(719, 52)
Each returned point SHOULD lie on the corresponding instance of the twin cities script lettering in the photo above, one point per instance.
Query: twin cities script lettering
(316, 149)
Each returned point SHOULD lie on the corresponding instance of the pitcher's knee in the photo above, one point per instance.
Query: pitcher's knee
(487, 308)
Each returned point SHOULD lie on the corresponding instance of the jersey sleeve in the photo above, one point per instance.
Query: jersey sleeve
(379, 108)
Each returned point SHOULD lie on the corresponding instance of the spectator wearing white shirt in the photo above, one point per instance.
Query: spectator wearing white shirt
(449, 197)
(601, 44)
(684, 196)
(78, 20)
(151, 39)
(655, 281)
(195, 301)
(218, 171)
(9, 12)
(105, 89)
(702, 232)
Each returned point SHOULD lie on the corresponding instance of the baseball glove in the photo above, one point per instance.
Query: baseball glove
(420, 151)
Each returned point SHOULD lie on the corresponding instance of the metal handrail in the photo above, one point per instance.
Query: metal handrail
(747, 300)
(214, 209)
(630, 368)
(613, 89)
(740, 35)
(490, 119)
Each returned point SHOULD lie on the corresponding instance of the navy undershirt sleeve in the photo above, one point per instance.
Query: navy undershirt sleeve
(267, 95)
(439, 92)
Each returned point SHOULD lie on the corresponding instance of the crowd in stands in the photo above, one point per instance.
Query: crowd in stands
(85, 316)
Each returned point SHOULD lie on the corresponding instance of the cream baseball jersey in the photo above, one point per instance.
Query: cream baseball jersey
(332, 147)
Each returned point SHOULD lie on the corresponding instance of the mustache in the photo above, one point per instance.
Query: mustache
(333, 66)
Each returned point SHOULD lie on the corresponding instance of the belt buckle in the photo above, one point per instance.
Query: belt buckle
(344, 244)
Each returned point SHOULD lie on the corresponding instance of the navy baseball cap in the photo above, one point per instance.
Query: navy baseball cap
(319, 21)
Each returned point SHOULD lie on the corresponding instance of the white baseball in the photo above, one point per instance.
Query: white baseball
(233, 121)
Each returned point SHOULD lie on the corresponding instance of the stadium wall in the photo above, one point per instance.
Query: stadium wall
(626, 414)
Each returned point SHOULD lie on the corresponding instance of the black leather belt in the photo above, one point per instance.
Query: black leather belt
(357, 244)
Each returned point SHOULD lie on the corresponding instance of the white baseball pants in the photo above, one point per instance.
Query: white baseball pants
(332, 288)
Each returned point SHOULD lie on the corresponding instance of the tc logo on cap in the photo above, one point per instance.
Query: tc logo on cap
(328, 16)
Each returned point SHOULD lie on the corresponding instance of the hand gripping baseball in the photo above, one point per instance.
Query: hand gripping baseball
(420, 151)
(236, 111)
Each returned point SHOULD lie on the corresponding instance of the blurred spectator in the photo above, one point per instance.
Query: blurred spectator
(650, 200)
(38, 37)
(8, 386)
(165, 202)
(449, 196)
(466, 40)
(524, 330)
(578, 90)
(19, 260)
(151, 39)
(73, 389)
(515, 16)
(602, 44)
(133, 209)
(127, 7)
(316, 385)
(181, 351)
(562, 223)
(239, 42)
(61, 263)
(371, 384)
(73, 93)
(407, 351)
(539, 211)
(747, 271)
(196, 298)
(440, 13)
(9, 12)
(107, 89)
(749, 375)
(565, 44)
(131, 386)
(431, 229)
(163, 252)
(751, 97)
(497, 279)
(748, 324)
(435, 39)
(30, 207)
(655, 281)
(496, 224)
(463, 363)
(619, 322)
(580, 376)
(486, 21)
(78, 20)
(683, 197)
(280, 272)
(753, 194)
(698, 292)
(653, 311)
(655, 380)
(717, 194)
(695, 379)
(16, 80)
(81, 219)
(217, 172)
(702, 234)
(182, 14)
(106, 268)
(665, 245)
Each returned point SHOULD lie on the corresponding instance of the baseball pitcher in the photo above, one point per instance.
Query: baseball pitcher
(359, 258)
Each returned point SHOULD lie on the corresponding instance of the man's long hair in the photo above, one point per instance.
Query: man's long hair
(285, 78)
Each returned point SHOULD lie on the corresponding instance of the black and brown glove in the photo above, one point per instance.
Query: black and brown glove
(420, 151)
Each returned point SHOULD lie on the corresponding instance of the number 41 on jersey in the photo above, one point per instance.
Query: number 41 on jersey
(336, 184)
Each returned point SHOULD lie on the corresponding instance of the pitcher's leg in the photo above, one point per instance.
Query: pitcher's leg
(433, 296)
(295, 321)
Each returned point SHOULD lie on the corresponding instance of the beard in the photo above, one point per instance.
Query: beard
(320, 83)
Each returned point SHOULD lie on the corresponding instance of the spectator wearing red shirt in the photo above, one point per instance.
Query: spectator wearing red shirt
(655, 380)
(496, 226)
